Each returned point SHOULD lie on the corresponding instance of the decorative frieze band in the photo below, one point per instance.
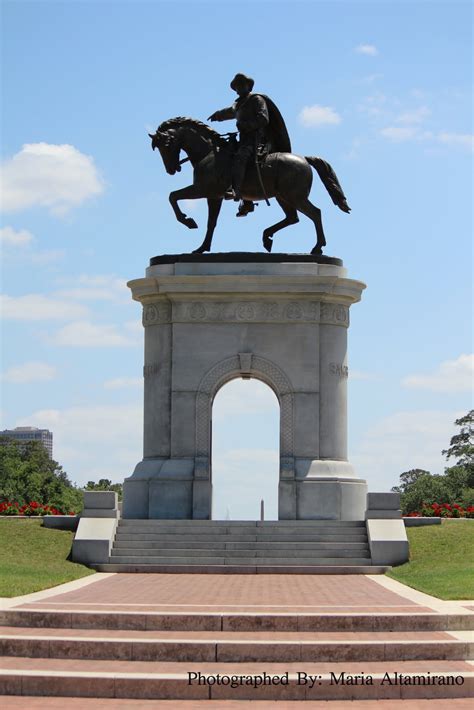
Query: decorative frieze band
(334, 314)
(154, 313)
(246, 312)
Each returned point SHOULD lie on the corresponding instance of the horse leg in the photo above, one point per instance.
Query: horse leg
(291, 217)
(314, 213)
(192, 192)
(214, 206)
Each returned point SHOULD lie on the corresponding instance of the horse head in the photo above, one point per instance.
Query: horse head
(169, 147)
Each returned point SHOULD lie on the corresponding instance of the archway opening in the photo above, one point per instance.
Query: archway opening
(245, 451)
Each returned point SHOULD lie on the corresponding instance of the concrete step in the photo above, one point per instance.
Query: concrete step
(287, 532)
(171, 537)
(291, 681)
(194, 646)
(241, 622)
(121, 543)
(318, 553)
(231, 568)
(209, 559)
(126, 522)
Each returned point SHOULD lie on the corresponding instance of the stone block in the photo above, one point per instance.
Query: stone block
(388, 542)
(170, 499)
(99, 513)
(383, 514)
(100, 499)
(135, 498)
(383, 501)
(93, 540)
(61, 522)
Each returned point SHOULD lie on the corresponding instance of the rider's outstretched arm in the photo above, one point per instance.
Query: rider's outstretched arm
(224, 114)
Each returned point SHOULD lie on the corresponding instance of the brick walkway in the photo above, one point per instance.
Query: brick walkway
(35, 703)
(234, 593)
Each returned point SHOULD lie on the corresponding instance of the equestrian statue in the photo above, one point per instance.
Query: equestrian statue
(257, 166)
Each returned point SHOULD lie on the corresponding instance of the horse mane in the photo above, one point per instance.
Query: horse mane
(202, 128)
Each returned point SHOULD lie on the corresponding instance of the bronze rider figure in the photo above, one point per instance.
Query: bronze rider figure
(261, 130)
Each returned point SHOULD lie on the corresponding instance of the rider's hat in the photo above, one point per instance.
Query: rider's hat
(239, 78)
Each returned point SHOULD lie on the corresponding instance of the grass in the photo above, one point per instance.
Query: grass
(33, 558)
(441, 560)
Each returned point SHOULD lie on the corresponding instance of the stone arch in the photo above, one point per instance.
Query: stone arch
(247, 365)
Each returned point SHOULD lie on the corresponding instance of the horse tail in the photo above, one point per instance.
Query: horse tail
(331, 183)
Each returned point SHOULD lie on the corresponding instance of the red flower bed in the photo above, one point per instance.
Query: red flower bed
(30, 509)
(443, 510)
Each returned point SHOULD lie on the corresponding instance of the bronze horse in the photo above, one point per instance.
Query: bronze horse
(285, 176)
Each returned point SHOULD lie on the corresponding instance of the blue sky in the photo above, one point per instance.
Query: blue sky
(380, 89)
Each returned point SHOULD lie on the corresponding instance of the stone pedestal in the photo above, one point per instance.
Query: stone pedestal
(282, 319)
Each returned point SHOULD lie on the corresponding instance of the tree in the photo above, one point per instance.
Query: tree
(105, 484)
(462, 444)
(409, 478)
(28, 474)
(456, 485)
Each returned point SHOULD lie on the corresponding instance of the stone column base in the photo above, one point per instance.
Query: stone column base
(329, 490)
(160, 489)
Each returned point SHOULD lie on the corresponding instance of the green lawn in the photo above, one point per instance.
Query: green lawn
(441, 560)
(34, 558)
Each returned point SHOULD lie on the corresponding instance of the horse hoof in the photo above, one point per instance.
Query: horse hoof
(201, 250)
(190, 223)
(268, 243)
(317, 251)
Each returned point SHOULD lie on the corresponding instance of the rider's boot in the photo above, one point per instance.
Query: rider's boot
(245, 207)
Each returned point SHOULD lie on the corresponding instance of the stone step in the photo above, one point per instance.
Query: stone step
(127, 522)
(291, 681)
(241, 622)
(121, 543)
(269, 533)
(209, 559)
(275, 553)
(189, 646)
(231, 568)
(143, 535)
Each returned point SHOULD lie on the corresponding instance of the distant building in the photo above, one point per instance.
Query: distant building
(31, 433)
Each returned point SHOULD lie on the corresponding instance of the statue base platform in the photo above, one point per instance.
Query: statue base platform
(279, 318)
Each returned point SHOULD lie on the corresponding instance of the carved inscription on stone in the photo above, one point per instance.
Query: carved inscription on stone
(247, 312)
(149, 370)
(338, 370)
(154, 313)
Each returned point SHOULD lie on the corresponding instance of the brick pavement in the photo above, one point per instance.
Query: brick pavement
(235, 593)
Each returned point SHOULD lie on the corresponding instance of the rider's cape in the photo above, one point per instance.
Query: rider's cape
(276, 129)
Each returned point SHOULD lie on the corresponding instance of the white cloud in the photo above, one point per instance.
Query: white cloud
(15, 238)
(414, 116)
(18, 244)
(403, 441)
(463, 140)
(121, 382)
(58, 177)
(38, 307)
(29, 372)
(84, 334)
(398, 134)
(311, 116)
(234, 399)
(98, 288)
(451, 376)
(92, 442)
(369, 50)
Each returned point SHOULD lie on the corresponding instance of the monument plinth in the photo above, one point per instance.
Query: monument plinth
(282, 319)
